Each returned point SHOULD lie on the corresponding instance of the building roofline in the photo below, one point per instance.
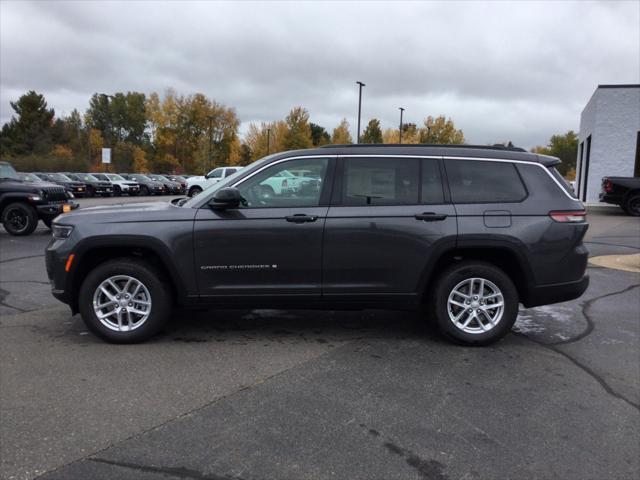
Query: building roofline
(622, 85)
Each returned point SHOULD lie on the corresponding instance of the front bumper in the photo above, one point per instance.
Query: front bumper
(54, 209)
(555, 293)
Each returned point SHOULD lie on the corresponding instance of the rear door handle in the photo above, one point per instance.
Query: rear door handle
(301, 218)
(430, 217)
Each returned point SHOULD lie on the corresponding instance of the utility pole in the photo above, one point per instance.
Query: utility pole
(401, 112)
(360, 84)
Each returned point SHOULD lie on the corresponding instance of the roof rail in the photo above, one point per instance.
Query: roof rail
(414, 145)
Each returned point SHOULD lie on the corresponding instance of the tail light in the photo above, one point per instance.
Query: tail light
(607, 185)
(574, 216)
(285, 184)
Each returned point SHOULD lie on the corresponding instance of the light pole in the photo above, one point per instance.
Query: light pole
(208, 169)
(268, 139)
(360, 85)
(401, 112)
(108, 126)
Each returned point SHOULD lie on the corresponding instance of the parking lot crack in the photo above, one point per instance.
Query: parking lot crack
(603, 383)
(586, 306)
(21, 258)
(179, 472)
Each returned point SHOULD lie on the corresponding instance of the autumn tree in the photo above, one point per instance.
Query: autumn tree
(182, 130)
(298, 134)
(565, 147)
(440, 130)
(266, 138)
(372, 133)
(341, 133)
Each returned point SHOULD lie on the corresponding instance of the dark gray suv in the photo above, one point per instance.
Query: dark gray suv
(469, 233)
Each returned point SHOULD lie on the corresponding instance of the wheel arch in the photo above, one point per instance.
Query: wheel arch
(505, 257)
(88, 256)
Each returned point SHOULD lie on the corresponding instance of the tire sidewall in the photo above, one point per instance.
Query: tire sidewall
(459, 273)
(29, 211)
(152, 279)
(627, 205)
(194, 191)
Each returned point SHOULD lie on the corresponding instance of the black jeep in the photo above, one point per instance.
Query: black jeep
(22, 203)
(467, 232)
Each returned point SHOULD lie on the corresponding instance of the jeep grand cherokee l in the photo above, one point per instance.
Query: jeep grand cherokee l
(468, 232)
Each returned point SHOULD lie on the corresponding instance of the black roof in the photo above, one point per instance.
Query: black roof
(467, 151)
(423, 145)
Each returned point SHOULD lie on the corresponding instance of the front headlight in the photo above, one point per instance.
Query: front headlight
(61, 231)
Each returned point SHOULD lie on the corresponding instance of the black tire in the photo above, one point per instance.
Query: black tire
(19, 219)
(144, 190)
(195, 190)
(153, 280)
(47, 221)
(117, 191)
(632, 205)
(452, 277)
(90, 192)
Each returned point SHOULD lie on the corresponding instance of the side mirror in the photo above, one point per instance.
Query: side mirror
(228, 197)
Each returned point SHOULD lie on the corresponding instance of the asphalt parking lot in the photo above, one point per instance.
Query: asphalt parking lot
(344, 395)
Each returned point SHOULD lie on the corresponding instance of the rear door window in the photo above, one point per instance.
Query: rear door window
(380, 181)
(478, 181)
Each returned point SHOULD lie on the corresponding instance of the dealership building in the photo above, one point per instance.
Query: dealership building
(609, 144)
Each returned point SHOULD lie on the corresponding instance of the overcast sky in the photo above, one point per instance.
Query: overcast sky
(518, 71)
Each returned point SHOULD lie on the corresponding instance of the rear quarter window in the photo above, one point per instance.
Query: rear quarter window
(478, 181)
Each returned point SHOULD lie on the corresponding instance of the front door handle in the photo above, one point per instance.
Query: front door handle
(301, 218)
(430, 217)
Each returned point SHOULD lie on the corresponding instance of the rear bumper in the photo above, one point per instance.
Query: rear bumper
(557, 292)
(610, 198)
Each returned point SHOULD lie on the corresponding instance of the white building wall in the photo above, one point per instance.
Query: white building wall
(612, 118)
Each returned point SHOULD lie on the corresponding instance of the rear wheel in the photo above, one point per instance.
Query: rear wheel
(19, 219)
(474, 303)
(632, 205)
(193, 191)
(125, 300)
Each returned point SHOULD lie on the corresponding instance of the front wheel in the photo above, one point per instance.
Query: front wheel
(125, 300)
(19, 219)
(475, 303)
(144, 190)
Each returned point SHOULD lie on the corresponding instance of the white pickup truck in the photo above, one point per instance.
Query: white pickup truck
(196, 185)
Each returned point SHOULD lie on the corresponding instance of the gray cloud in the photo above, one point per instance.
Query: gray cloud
(502, 70)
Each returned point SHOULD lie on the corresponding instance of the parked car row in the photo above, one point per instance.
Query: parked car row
(110, 184)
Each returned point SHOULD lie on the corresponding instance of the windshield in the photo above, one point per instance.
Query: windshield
(7, 171)
(230, 180)
(143, 178)
(59, 177)
(28, 177)
(159, 178)
(88, 178)
(113, 176)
